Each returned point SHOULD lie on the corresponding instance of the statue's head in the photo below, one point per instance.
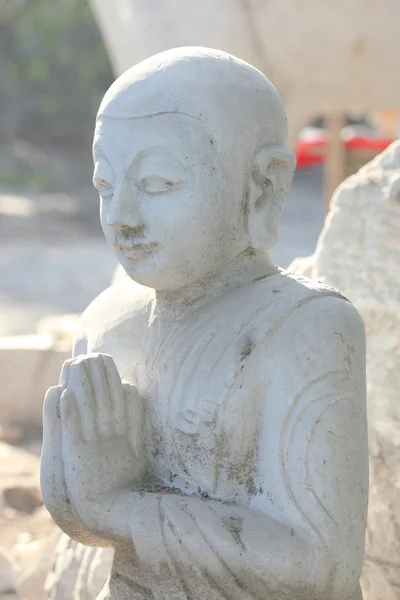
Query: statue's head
(191, 165)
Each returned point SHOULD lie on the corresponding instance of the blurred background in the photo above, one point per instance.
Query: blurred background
(335, 65)
(54, 69)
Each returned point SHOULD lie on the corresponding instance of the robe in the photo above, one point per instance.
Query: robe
(256, 442)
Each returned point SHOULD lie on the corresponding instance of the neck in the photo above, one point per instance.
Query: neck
(243, 270)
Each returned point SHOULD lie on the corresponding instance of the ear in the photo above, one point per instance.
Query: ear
(272, 173)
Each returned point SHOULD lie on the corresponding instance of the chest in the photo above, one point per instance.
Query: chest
(200, 383)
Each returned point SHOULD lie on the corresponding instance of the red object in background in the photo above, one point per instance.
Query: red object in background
(310, 149)
(363, 143)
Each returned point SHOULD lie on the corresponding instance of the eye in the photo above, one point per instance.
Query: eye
(104, 188)
(156, 185)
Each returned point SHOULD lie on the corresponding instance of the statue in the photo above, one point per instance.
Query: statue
(211, 426)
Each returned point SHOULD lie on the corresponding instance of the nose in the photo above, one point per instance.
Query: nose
(125, 209)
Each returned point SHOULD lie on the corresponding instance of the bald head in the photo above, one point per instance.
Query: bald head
(229, 96)
(190, 165)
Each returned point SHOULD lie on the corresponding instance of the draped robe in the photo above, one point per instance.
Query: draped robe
(255, 406)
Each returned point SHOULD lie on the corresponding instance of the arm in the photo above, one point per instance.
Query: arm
(319, 479)
(240, 548)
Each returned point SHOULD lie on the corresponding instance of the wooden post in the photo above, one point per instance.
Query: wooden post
(335, 157)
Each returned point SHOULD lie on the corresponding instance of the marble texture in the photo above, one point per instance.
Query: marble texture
(28, 365)
(211, 424)
(359, 252)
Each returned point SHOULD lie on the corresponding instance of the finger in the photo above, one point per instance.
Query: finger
(101, 392)
(79, 383)
(52, 480)
(135, 420)
(72, 434)
(64, 375)
(72, 440)
(117, 395)
(51, 405)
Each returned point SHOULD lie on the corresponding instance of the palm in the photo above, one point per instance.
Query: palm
(96, 467)
(101, 426)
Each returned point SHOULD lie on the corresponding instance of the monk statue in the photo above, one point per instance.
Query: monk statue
(211, 425)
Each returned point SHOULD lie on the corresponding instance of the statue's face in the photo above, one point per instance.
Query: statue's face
(168, 209)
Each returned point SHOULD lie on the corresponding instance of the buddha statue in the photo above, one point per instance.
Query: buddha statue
(211, 425)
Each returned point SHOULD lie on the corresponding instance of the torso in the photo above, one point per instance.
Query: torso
(197, 373)
(211, 377)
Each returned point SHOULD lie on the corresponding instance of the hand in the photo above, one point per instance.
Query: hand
(93, 442)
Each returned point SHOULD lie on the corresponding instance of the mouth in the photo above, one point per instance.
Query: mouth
(135, 251)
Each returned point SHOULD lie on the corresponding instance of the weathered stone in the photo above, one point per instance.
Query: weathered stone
(8, 576)
(23, 499)
(359, 252)
(26, 528)
(28, 365)
(175, 435)
(18, 468)
(79, 572)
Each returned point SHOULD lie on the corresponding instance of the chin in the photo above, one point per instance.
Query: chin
(156, 278)
(144, 272)
(155, 272)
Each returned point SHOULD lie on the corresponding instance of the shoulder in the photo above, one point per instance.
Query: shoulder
(315, 297)
(121, 302)
(330, 312)
(325, 334)
(297, 294)
(307, 314)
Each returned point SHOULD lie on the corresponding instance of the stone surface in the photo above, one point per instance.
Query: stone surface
(27, 532)
(28, 365)
(359, 252)
(175, 435)
(8, 576)
(79, 572)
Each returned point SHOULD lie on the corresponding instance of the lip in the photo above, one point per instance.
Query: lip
(135, 251)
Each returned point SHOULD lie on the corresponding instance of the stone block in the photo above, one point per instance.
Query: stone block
(29, 364)
(359, 253)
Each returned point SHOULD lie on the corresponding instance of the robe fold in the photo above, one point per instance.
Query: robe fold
(245, 408)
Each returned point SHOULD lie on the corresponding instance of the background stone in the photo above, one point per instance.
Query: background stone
(359, 253)
(27, 533)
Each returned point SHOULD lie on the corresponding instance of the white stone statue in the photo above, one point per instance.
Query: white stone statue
(211, 426)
